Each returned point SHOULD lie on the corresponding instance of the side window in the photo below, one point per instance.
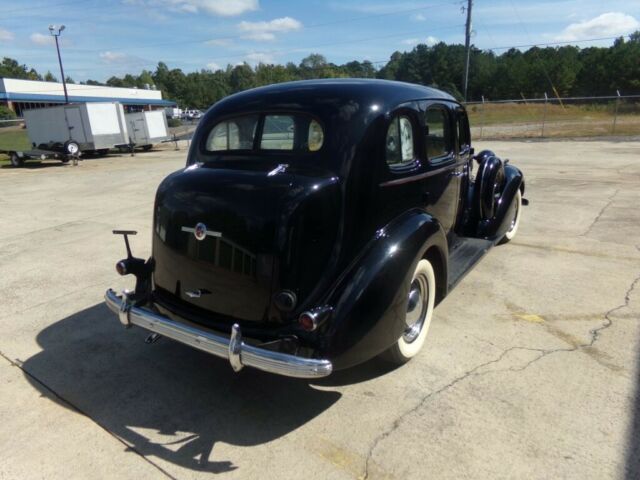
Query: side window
(399, 142)
(438, 133)
(464, 140)
(235, 134)
(278, 132)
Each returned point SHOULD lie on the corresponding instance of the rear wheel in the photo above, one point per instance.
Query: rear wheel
(16, 161)
(146, 148)
(420, 304)
(515, 221)
(71, 147)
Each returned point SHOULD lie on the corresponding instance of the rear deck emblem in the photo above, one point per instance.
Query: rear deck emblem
(200, 231)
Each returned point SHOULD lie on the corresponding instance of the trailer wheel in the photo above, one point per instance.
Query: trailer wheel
(146, 148)
(16, 160)
(102, 152)
(72, 147)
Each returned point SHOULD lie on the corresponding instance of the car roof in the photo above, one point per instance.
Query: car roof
(311, 94)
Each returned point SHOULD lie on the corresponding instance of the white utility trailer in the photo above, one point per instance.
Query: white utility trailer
(146, 128)
(77, 128)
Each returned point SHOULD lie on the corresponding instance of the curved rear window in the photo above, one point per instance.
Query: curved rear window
(235, 134)
(278, 132)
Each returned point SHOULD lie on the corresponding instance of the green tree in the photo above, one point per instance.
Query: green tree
(241, 78)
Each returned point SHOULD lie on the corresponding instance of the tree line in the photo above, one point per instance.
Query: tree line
(563, 71)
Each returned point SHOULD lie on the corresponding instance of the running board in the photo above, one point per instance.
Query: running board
(464, 255)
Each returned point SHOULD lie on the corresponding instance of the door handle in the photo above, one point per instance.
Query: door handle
(456, 174)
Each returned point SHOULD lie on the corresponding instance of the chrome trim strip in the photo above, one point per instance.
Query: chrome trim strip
(209, 233)
(421, 176)
(234, 349)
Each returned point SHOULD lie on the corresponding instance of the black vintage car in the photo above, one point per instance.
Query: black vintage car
(317, 224)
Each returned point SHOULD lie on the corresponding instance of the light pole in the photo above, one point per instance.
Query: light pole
(53, 29)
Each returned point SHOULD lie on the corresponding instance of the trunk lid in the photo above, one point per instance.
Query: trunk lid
(265, 231)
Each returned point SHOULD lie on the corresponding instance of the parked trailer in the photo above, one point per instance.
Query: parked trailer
(78, 128)
(18, 157)
(146, 128)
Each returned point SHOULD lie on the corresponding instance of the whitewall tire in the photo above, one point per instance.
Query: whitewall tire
(420, 303)
(515, 222)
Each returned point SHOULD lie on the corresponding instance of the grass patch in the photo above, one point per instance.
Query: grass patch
(514, 120)
(12, 139)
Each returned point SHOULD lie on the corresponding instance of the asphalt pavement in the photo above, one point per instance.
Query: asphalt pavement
(530, 369)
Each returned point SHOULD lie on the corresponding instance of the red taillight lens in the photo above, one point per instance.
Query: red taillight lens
(121, 267)
(308, 321)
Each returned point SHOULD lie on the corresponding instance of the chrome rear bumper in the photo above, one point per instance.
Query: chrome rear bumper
(234, 349)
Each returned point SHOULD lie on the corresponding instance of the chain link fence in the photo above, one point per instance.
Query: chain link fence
(551, 117)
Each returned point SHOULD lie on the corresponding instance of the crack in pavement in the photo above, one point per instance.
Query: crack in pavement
(77, 409)
(608, 204)
(543, 352)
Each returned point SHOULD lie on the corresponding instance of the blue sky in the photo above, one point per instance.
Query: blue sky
(113, 37)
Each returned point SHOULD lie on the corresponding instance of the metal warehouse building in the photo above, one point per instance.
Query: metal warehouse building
(20, 95)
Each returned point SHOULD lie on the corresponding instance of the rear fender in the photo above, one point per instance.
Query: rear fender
(496, 226)
(369, 300)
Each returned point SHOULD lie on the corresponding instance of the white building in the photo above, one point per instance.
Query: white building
(24, 94)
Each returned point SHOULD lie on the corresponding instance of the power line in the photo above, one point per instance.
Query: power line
(241, 36)
(307, 48)
(550, 44)
(36, 7)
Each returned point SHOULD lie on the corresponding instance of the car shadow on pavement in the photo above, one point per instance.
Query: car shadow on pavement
(36, 164)
(166, 400)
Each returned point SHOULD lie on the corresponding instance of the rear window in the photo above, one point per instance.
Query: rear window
(235, 134)
(278, 132)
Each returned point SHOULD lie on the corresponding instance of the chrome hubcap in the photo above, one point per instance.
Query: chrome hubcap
(416, 308)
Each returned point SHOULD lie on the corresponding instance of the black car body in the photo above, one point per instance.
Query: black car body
(317, 223)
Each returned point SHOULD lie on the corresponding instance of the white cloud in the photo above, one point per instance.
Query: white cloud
(223, 8)
(266, 31)
(609, 24)
(255, 58)
(430, 41)
(114, 57)
(219, 42)
(213, 66)
(40, 39)
(5, 35)
(419, 17)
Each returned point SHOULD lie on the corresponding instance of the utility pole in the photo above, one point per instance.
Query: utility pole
(53, 29)
(467, 46)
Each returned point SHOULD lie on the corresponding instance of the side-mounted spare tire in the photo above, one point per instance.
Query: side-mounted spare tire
(489, 184)
(496, 198)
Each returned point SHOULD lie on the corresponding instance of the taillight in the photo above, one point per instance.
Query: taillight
(308, 321)
(121, 267)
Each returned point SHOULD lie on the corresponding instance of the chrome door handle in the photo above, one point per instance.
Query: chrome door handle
(456, 174)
